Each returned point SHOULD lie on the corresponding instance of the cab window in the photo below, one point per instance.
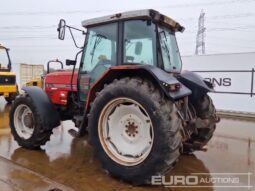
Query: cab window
(170, 52)
(4, 61)
(100, 48)
(139, 42)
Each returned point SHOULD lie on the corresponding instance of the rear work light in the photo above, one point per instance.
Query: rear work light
(172, 87)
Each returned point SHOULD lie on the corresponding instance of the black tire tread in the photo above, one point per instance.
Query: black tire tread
(9, 99)
(172, 140)
(205, 109)
(40, 136)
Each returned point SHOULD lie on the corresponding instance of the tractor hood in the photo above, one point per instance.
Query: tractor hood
(61, 80)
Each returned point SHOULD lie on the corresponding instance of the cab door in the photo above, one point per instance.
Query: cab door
(100, 53)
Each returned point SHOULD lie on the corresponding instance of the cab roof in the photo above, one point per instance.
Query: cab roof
(147, 14)
(2, 47)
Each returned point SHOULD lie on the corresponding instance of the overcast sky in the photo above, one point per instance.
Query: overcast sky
(28, 27)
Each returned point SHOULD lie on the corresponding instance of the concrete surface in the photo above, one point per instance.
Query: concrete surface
(66, 163)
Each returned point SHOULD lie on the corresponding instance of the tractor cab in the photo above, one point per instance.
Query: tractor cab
(5, 61)
(145, 38)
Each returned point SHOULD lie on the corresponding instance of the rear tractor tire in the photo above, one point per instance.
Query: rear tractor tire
(135, 130)
(204, 109)
(26, 124)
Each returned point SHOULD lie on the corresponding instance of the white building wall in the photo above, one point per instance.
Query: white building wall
(226, 81)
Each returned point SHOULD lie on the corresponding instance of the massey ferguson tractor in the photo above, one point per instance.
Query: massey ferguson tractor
(140, 109)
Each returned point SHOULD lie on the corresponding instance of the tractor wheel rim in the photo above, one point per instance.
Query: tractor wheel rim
(125, 131)
(24, 121)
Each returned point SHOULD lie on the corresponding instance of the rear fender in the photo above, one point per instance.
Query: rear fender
(48, 113)
(156, 75)
(195, 83)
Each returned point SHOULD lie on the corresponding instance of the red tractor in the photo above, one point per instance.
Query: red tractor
(57, 85)
(140, 110)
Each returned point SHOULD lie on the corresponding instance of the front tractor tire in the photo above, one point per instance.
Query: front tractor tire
(10, 98)
(135, 130)
(26, 124)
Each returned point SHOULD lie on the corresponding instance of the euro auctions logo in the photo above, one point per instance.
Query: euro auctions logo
(175, 180)
(216, 180)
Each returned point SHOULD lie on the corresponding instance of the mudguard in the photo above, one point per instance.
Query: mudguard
(155, 74)
(49, 115)
(195, 82)
(163, 77)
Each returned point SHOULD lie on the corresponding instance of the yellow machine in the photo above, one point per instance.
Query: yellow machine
(35, 82)
(8, 86)
(39, 81)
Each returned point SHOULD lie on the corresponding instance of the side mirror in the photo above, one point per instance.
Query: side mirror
(138, 48)
(70, 62)
(61, 29)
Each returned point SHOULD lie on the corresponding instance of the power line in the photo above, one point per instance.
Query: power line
(210, 19)
(21, 13)
(233, 44)
(213, 3)
(221, 17)
(54, 37)
(245, 27)
(32, 27)
(28, 27)
(236, 38)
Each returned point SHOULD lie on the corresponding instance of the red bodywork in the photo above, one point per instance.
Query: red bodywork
(58, 86)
